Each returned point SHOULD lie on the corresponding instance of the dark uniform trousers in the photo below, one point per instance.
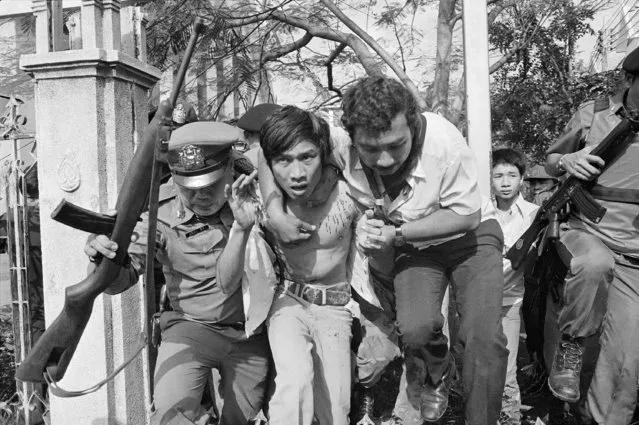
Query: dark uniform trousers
(188, 352)
(601, 293)
(473, 266)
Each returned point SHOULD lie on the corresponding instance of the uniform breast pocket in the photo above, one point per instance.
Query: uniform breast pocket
(196, 256)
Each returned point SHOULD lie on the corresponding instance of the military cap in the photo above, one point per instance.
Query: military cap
(255, 117)
(199, 152)
(538, 172)
(631, 62)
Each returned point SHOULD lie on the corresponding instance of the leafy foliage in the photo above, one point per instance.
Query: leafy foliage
(534, 94)
(531, 115)
(7, 365)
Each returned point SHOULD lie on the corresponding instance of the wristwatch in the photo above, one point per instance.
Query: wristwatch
(400, 239)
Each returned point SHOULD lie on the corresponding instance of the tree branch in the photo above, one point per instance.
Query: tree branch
(286, 49)
(386, 57)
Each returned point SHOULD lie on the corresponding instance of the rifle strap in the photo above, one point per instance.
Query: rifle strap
(154, 201)
(628, 196)
(382, 199)
(61, 392)
(377, 187)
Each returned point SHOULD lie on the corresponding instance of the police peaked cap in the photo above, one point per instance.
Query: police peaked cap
(631, 62)
(254, 118)
(199, 152)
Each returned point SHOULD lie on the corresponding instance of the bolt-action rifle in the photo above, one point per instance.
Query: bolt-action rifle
(572, 190)
(55, 348)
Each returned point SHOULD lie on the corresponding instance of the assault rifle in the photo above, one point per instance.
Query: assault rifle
(55, 348)
(572, 190)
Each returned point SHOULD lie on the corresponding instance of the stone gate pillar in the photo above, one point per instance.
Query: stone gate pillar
(91, 107)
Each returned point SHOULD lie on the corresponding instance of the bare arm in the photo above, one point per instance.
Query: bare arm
(579, 164)
(575, 159)
(241, 199)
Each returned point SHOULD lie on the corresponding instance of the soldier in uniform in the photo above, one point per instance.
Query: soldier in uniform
(251, 122)
(601, 289)
(542, 185)
(206, 328)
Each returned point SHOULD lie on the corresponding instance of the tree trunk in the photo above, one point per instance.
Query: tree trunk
(441, 81)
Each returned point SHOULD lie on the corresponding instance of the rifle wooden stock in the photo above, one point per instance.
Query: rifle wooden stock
(571, 189)
(56, 346)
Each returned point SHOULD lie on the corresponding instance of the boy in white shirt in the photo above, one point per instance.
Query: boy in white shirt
(514, 215)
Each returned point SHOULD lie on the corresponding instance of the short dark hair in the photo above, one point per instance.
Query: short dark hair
(510, 156)
(372, 104)
(291, 125)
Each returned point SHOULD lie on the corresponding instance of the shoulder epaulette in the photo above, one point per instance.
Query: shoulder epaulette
(602, 103)
(585, 105)
(167, 191)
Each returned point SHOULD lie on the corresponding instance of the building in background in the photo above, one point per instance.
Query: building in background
(617, 35)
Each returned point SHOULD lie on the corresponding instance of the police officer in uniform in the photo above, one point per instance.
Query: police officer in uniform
(205, 329)
(601, 289)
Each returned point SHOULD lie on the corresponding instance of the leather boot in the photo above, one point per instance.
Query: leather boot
(366, 403)
(566, 369)
(434, 399)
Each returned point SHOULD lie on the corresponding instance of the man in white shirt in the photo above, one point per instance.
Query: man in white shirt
(514, 215)
(417, 171)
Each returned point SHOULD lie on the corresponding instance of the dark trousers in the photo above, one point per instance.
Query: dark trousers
(188, 352)
(590, 271)
(473, 266)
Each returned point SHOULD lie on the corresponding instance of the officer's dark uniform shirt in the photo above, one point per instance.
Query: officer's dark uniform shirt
(188, 248)
(619, 228)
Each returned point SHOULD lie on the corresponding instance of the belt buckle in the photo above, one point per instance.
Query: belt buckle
(324, 296)
(309, 293)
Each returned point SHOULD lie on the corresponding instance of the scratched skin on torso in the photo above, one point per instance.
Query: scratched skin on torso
(322, 258)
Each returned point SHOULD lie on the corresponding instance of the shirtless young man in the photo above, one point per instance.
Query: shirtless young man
(309, 327)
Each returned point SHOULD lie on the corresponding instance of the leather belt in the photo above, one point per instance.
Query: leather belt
(338, 294)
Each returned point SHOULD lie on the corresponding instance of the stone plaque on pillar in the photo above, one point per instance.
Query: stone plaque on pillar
(91, 108)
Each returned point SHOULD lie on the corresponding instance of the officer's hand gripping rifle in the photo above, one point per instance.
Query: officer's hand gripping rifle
(571, 190)
(56, 346)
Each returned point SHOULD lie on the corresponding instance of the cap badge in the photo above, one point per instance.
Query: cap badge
(191, 157)
(179, 114)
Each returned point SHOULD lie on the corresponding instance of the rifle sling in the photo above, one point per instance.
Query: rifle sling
(61, 392)
(612, 194)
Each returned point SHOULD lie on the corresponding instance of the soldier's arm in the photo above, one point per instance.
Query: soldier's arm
(136, 262)
(567, 154)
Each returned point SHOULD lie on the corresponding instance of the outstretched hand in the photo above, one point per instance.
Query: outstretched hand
(242, 199)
